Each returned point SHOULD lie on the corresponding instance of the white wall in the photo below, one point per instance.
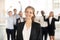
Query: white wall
(39, 5)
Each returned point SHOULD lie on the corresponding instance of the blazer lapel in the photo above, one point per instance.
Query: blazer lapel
(22, 29)
(19, 20)
(31, 31)
(23, 25)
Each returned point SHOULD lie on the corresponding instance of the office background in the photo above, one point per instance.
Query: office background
(46, 5)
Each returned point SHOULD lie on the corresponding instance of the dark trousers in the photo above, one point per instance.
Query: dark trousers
(10, 32)
(44, 32)
(15, 29)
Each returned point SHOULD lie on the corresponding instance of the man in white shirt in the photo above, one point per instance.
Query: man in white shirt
(44, 25)
(15, 17)
(10, 28)
(20, 19)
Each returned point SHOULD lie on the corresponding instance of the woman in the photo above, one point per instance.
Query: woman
(51, 25)
(29, 30)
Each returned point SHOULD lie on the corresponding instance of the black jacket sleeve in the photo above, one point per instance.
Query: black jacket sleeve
(57, 19)
(40, 34)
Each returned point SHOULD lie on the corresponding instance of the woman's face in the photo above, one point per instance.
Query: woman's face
(51, 14)
(29, 13)
(20, 13)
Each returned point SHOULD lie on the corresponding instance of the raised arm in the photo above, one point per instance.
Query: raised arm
(45, 19)
(20, 6)
(58, 18)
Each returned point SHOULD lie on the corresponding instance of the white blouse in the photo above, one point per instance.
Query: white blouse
(50, 20)
(26, 33)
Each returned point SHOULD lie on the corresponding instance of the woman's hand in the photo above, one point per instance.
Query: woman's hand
(59, 14)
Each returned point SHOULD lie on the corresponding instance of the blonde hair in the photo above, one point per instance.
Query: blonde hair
(33, 11)
(51, 13)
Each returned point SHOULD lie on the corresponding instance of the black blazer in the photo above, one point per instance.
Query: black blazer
(36, 33)
(19, 20)
(52, 25)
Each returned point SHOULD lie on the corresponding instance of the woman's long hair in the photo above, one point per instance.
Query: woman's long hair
(50, 14)
(33, 11)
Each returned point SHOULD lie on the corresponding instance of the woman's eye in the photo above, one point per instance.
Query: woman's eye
(30, 12)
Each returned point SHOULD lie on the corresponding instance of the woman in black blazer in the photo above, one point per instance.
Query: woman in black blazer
(51, 25)
(29, 30)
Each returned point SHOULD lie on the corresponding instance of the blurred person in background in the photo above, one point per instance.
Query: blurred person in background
(51, 25)
(15, 17)
(44, 25)
(10, 27)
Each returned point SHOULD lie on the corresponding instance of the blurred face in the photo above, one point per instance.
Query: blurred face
(29, 13)
(15, 11)
(10, 13)
(51, 14)
(20, 13)
(42, 12)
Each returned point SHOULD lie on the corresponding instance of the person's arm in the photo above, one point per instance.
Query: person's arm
(8, 9)
(57, 19)
(20, 5)
(45, 19)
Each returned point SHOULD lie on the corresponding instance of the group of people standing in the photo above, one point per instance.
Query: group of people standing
(12, 23)
(29, 28)
(47, 24)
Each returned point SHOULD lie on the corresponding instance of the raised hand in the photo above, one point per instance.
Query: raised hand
(19, 2)
(58, 14)
(37, 12)
(20, 5)
(10, 6)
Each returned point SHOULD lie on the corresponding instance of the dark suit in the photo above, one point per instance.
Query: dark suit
(19, 20)
(15, 27)
(51, 27)
(36, 33)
